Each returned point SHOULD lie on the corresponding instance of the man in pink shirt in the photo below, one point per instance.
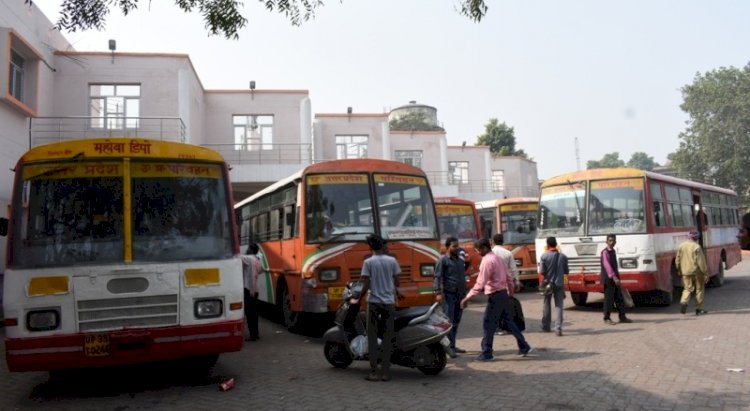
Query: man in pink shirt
(498, 285)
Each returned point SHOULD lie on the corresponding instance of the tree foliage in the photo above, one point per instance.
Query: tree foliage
(414, 120)
(642, 161)
(221, 16)
(609, 160)
(501, 138)
(715, 146)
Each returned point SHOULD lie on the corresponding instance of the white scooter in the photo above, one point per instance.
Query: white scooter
(421, 335)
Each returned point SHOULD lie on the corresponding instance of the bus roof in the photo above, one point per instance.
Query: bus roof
(339, 166)
(503, 201)
(624, 172)
(453, 200)
(118, 148)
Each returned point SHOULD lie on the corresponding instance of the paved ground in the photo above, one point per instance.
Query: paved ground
(663, 361)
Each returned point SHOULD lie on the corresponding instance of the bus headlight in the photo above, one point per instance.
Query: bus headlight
(208, 308)
(629, 262)
(43, 320)
(427, 270)
(519, 262)
(329, 274)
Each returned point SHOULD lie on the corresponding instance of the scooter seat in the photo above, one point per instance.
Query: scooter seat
(402, 317)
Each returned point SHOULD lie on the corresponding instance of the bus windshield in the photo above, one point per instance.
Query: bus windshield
(339, 207)
(562, 210)
(457, 220)
(616, 206)
(72, 213)
(519, 227)
(405, 207)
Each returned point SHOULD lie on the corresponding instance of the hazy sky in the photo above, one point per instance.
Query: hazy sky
(606, 72)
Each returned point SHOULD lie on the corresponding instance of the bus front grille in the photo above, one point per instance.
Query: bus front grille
(586, 264)
(117, 313)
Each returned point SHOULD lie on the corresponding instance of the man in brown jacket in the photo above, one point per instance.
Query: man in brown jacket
(691, 264)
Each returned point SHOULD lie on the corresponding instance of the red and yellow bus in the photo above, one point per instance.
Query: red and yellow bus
(311, 229)
(120, 251)
(515, 218)
(650, 213)
(458, 218)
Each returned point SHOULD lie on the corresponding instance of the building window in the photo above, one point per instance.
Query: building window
(351, 147)
(498, 180)
(410, 157)
(458, 172)
(115, 106)
(253, 132)
(15, 79)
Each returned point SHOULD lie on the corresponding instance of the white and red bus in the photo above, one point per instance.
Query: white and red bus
(650, 213)
(514, 218)
(458, 218)
(120, 251)
(311, 229)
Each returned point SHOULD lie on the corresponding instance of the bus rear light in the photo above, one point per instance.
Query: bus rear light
(629, 262)
(39, 286)
(208, 308)
(43, 320)
(427, 270)
(329, 274)
(202, 276)
(10, 322)
(235, 306)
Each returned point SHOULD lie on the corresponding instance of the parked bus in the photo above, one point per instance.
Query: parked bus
(311, 229)
(650, 213)
(458, 218)
(515, 218)
(120, 251)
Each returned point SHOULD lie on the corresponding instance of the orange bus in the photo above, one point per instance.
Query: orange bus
(515, 218)
(650, 213)
(311, 229)
(458, 218)
(120, 251)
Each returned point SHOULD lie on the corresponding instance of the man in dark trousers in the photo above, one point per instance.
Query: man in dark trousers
(449, 286)
(610, 277)
(553, 265)
(380, 276)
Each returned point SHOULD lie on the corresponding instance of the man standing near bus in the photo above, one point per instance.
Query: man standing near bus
(610, 277)
(251, 268)
(691, 264)
(498, 285)
(553, 265)
(449, 285)
(380, 276)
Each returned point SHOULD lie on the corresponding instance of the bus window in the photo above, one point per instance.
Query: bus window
(402, 201)
(616, 206)
(562, 209)
(338, 207)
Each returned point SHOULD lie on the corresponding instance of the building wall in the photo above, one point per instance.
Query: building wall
(520, 176)
(328, 126)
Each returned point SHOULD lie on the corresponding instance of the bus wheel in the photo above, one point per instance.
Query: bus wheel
(665, 298)
(337, 354)
(579, 299)
(290, 317)
(718, 279)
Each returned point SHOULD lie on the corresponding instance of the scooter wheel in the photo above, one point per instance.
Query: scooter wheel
(337, 354)
(437, 361)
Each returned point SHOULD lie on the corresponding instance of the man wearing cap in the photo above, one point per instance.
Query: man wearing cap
(691, 264)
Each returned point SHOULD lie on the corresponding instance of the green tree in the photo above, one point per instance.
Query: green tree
(609, 160)
(715, 146)
(414, 120)
(501, 138)
(642, 161)
(221, 16)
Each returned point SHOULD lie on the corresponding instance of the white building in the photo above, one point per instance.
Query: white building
(52, 92)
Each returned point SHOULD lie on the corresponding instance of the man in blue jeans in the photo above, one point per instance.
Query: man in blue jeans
(449, 286)
(498, 285)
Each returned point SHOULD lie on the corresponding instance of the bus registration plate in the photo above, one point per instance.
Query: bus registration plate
(96, 345)
(335, 293)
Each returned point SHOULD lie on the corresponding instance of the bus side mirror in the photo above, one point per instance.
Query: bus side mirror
(3, 226)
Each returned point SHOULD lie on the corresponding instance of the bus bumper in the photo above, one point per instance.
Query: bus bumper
(591, 283)
(125, 347)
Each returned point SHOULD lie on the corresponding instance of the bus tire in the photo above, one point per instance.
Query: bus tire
(665, 298)
(579, 299)
(289, 316)
(337, 354)
(718, 279)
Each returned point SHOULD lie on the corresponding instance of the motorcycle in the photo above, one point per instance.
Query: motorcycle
(420, 335)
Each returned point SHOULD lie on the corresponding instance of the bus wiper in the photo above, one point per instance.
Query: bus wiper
(578, 205)
(339, 235)
(59, 168)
